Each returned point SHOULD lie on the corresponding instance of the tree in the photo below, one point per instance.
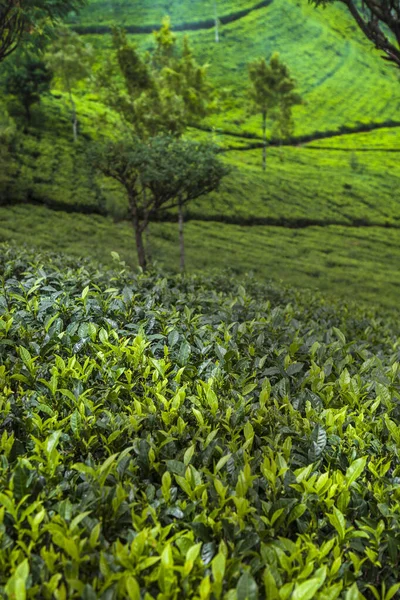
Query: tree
(71, 59)
(22, 18)
(27, 77)
(179, 172)
(159, 93)
(379, 21)
(129, 85)
(188, 81)
(8, 137)
(155, 173)
(273, 95)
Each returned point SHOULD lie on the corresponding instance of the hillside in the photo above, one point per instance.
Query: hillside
(325, 214)
(337, 71)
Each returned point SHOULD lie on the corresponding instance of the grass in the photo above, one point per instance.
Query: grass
(353, 263)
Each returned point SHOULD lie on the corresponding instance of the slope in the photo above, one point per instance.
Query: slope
(343, 81)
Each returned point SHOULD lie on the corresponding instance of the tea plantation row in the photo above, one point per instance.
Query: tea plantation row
(360, 263)
(168, 437)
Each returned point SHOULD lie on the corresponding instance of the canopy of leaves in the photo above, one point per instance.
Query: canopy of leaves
(22, 18)
(165, 167)
(69, 57)
(273, 89)
(159, 92)
(27, 77)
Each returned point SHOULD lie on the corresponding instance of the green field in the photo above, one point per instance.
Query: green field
(232, 432)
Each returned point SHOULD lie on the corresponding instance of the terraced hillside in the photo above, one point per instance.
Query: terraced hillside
(343, 80)
(326, 213)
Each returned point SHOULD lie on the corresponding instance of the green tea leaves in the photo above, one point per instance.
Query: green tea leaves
(247, 588)
(318, 443)
(355, 469)
(139, 456)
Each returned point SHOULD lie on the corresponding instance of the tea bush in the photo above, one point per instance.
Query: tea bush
(166, 437)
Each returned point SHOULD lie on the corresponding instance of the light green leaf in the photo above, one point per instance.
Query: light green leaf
(189, 454)
(52, 441)
(132, 587)
(221, 463)
(296, 513)
(355, 469)
(218, 566)
(353, 593)
(307, 589)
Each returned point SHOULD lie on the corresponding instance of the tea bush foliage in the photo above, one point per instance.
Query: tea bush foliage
(166, 437)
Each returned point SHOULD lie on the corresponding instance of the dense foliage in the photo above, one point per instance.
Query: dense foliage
(168, 437)
(158, 175)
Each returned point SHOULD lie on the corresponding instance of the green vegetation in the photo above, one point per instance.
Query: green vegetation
(337, 71)
(27, 78)
(192, 437)
(379, 22)
(144, 13)
(353, 263)
(213, 435)
(272, 94)
(23, 20)
(348, 180)
(158, 175)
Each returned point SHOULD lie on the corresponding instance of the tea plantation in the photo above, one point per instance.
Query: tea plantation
(167, 437)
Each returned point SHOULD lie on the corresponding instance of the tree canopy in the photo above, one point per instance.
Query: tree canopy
(159, 92)
(22, 18)
(158, 175)
(273, 95)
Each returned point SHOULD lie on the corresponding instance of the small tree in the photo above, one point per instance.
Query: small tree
(187, 81)
(8, 137)
(179, 172)
(21, 18)
(129, 84)
(27, 77)
(273, 95)
(155, 174)
(71, 59)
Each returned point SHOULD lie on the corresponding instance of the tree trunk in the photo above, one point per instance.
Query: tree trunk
(74, 117)
(140, 248)
(181, 237)
(28, 113)
(216, 22)
(141, 253)
(264, 129)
